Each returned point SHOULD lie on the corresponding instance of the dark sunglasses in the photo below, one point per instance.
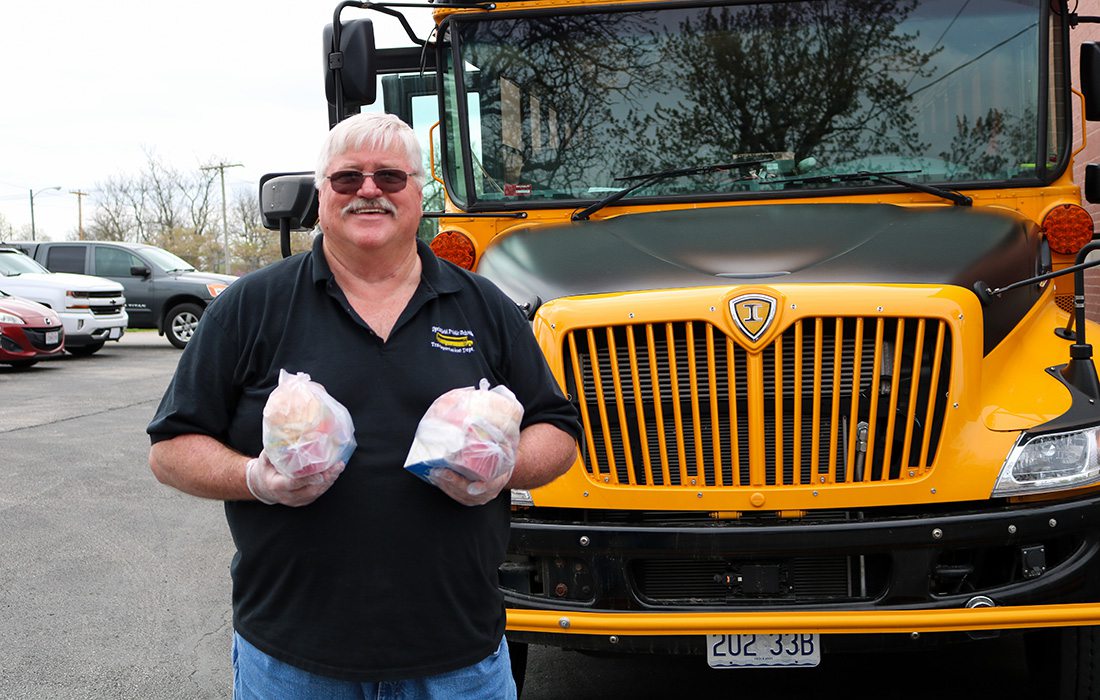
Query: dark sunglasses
(389, 180)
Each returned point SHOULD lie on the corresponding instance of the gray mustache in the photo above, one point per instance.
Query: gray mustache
(362, 203)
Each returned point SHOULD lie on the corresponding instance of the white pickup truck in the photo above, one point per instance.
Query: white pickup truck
(92, 309)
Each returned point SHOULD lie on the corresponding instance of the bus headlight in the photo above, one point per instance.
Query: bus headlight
(1042, 463)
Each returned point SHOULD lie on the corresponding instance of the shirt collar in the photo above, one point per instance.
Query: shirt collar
(439, 277)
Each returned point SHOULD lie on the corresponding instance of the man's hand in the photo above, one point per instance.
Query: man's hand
(466, 492)
(270, 487)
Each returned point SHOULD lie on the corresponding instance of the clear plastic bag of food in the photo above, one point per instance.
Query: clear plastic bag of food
(305, 431)
(472, 431)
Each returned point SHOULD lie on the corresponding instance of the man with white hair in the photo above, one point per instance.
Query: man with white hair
(362, 580)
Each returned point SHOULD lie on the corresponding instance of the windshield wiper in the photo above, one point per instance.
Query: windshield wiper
(649, 178)
(958, 198)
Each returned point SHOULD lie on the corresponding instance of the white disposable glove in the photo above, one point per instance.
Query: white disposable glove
(269, 486)
(465, 491)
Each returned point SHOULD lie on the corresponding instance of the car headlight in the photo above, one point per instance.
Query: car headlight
(8, 318)
(216, 288)
(1043, 463)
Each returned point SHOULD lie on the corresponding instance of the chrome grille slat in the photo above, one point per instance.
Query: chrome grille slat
(671, 418)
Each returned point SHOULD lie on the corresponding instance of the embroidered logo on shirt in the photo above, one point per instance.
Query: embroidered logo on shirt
(451, 340)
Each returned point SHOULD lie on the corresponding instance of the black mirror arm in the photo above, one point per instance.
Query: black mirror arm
(284, 237)
(1079, 289)
(385, 8)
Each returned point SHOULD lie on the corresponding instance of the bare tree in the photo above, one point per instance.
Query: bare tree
(840, 88)
(7, 231)
(253, 245)
(160, 202)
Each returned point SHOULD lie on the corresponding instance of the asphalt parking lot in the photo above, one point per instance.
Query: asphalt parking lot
(113, 586)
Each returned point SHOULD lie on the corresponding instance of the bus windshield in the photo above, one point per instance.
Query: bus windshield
(559, 106)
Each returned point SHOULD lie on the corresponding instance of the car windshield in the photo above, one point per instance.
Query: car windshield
(12, 263)
(167, 261)
(558, 107)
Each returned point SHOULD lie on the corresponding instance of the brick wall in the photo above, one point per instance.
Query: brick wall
(1091, 154)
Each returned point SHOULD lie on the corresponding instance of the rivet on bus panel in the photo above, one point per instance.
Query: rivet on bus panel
(564, 622)
(585, 541)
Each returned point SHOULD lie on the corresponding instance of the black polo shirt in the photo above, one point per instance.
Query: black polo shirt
(384, 576)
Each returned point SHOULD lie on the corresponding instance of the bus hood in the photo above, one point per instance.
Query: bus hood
(773, 244)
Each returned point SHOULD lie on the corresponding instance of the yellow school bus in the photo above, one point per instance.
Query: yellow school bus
(804, 269)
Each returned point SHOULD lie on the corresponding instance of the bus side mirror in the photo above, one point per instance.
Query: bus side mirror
(289, 197)
(356, 63)
(1091, 190)
(1090, 80)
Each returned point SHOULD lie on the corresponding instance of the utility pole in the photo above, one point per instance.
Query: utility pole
(220, 167)
(80, 195)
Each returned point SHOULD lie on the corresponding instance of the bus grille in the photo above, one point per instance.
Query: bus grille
(834, 401)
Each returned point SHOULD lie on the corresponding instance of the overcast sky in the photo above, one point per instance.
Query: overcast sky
(88, 88)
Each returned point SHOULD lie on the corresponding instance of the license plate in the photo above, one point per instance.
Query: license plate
(52, 337)
(115, 334)
(747, 650)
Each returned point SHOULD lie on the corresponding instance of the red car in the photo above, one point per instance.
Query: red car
(28, 332)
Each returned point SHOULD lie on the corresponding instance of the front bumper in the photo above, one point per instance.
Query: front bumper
(21, 343)
(1032, 565)
(83, 328)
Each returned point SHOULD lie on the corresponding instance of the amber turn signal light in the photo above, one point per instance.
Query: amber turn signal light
(456, 247)
(1068, 227)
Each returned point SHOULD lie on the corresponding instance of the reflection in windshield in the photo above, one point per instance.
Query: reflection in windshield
(167, 261)
(568, 103)
(17, 264)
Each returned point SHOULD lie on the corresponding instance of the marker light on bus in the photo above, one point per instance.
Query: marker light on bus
(456, 247)
(1068, 227)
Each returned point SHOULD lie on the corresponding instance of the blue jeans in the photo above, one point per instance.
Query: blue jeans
(257, 676)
